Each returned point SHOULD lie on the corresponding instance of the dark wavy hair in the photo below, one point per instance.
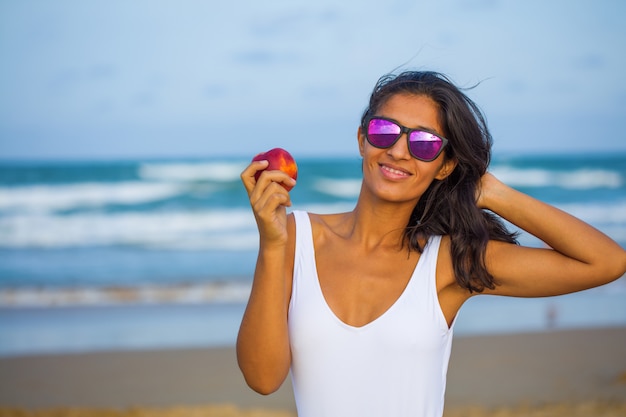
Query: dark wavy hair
(448, 207)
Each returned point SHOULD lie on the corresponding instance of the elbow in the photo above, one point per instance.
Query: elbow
(614, 268)
(263, 379)
(263, 390)
(263, 386)
(619, 269)
(265, 372)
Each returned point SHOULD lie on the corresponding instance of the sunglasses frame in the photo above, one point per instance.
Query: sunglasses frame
(407, 131)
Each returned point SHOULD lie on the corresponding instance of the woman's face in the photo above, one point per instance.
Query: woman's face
(393, 174)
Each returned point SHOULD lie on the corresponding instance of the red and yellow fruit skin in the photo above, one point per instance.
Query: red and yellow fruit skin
(279, 159)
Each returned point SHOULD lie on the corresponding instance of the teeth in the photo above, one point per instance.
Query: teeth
(394, 171)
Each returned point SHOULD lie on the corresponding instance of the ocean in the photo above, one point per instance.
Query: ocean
(105, 255)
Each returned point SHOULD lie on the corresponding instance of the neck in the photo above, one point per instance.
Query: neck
(378, 225)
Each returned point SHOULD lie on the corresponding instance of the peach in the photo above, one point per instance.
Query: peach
(279, 159)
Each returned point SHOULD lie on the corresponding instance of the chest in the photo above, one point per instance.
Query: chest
(360, 287)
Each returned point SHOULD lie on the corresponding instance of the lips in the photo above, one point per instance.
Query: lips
(394, 172)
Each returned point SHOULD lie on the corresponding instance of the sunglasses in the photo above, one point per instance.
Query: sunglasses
(384, 133)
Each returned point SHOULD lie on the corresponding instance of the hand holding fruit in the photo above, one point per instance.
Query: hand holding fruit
(268, 201)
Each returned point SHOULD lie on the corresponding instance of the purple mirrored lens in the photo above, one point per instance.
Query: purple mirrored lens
(382, 133)
(424, 145)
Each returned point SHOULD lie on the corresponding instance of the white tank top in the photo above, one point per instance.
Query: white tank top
(394, 366)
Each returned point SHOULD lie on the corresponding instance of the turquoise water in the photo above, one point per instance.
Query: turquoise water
(144, 239)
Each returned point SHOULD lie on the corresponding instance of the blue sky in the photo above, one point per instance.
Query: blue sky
(109, 79)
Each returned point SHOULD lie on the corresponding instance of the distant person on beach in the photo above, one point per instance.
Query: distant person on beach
(360, 306)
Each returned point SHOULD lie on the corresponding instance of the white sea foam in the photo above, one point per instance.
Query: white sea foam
(212, 292)
(46, 198)
(215, 229)
(583, 179)
(213, 171)
(343, 188)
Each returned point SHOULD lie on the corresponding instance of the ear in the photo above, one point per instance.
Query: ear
(446, 169)
(361, 139)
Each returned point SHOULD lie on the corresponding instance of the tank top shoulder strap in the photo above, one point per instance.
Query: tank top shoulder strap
(304, 232)
(432, 248)
(304, 262)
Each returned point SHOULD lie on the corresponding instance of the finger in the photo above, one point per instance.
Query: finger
(248, 174)
(270, 212)
(274, 176)
(268, 198)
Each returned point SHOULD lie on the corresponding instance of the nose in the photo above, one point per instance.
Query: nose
(400, 149)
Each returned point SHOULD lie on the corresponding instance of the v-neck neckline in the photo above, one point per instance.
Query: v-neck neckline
(378, 318)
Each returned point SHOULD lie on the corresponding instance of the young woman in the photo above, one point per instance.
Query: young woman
(360, 306)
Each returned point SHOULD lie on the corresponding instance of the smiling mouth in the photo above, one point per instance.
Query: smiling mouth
(394, 172)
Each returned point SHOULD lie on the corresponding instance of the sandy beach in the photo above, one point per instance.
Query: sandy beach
(572, 373)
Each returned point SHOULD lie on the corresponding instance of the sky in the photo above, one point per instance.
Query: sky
(190, 78)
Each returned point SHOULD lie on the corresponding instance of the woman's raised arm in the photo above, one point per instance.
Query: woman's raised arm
(578, 256)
